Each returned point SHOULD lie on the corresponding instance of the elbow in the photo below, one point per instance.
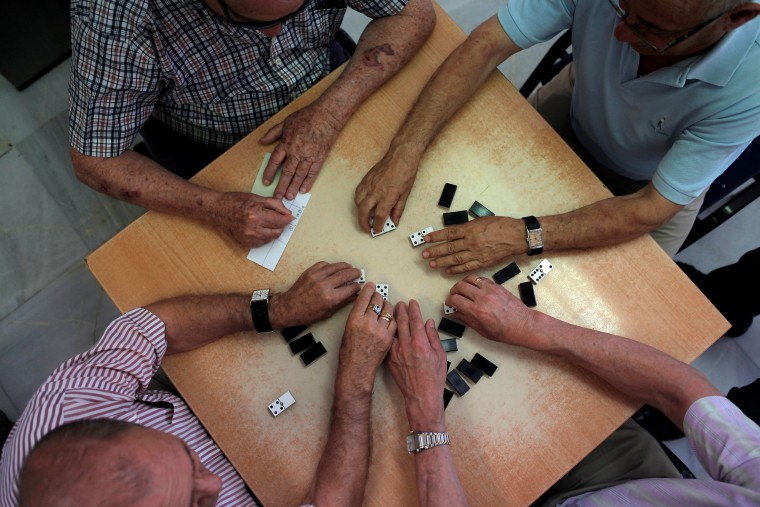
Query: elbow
(86, 171)
(428, 19)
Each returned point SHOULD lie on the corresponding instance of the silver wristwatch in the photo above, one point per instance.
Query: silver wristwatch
(417, 441)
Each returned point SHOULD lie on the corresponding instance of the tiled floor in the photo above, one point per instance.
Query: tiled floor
(52, 308)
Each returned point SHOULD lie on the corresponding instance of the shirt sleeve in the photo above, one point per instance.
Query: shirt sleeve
(528, 22)
(702, 153)
(114, 82)
(727, 442)
(120, 365)
(376, 9)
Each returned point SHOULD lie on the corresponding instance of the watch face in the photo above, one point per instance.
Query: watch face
(534, 238)
(260, 295)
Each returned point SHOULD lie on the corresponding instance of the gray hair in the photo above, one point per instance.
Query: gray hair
(61, 464)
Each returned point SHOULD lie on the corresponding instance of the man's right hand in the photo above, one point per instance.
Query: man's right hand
(385, 188)
(418, 365)
(250, 219)
(319, 292)
(495, 313)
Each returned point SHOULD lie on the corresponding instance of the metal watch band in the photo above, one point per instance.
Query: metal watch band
(260, 311)
(534, 235)
(417, 441)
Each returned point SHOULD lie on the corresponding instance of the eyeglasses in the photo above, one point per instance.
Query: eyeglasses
(261, 25)
(637, 30)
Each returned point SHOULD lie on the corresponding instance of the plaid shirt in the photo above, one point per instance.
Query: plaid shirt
(201, 75)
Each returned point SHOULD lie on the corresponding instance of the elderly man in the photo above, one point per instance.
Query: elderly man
(660, 98)
(629, 468)
(199, 75)
(111, 438)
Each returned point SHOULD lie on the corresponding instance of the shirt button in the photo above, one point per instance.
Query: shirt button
(277, 61)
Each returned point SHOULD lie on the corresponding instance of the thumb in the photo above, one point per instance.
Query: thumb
(272, 134)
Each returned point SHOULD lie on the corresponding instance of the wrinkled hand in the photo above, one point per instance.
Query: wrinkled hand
(318, 293)
(367, 336)
(250, 219)
(306, 138)
(477, 244)
(493, 311)
(418, 365)
(385, 189)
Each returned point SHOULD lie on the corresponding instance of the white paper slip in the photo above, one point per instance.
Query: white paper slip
(269, 255)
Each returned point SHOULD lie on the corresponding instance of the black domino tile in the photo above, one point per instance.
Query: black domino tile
(506, 273)
(302, 343)
(455, 217)
(457, 382)
(469, 371)
(291, 332)
(447, 395)
(313, 353)
(448, 326)
(526, 294)
(449, 345)
(447, 195)
(478, 210)
(483, 364)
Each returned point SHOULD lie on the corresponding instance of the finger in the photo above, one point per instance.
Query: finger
(447, 254)
(269, 219)
(308, 182)
(382, 213)
(288, 171)
(375, 300)
(386, 314)
(272, 134)
(416, 323)
(365, 210)
(433, 337)
(445, 234)
(362, 301)
(402, 323)
(398, 210)
(295, 183)
(275, 160)
(274, 204)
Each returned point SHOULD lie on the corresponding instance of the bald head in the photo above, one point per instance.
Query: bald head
(86, 462)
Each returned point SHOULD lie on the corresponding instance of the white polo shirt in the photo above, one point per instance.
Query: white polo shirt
(679, 126)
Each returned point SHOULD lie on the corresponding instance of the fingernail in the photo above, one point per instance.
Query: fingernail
(432, 264)
(267, 182)
(425, 255)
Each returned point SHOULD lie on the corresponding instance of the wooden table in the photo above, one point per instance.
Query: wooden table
(514, 434)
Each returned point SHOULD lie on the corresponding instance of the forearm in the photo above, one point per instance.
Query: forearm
(452, 85)
(385, 46)
(437, 478)
(194, 321)
(136, 179)
(633, 368)
(343, 469)
(607, 222)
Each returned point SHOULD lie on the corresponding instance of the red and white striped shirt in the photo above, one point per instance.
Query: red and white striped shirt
(110, 381)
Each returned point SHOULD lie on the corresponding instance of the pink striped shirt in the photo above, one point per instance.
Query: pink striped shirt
(110, 380)
(727, 443)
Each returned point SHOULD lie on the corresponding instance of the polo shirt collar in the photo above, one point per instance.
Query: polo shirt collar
(719, 64)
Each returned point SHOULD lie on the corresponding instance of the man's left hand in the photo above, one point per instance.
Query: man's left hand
(306, 138)
(477, 244)
(318, 293)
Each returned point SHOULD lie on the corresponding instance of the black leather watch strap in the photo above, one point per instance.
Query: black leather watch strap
(534, 235)
(260, 311)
